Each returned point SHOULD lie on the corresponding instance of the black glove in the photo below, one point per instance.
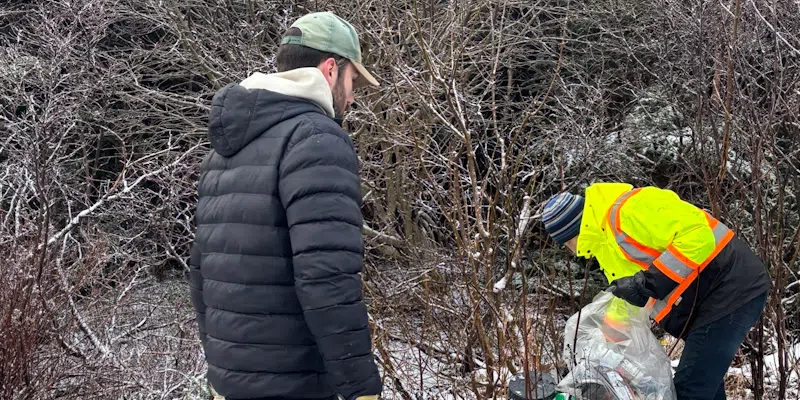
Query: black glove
(632, 289)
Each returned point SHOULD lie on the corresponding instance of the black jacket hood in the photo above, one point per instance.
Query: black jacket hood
(239, 115)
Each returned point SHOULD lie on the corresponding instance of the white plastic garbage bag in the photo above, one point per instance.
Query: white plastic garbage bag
(615, 361)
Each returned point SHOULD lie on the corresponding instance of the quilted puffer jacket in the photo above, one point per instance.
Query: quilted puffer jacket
(277, 254)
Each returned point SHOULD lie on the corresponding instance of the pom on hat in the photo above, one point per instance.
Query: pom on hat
(562, 216)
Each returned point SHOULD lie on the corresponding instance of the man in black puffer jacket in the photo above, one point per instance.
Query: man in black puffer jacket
(277, 254)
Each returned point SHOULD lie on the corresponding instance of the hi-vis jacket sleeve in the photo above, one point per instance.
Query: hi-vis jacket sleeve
(659, 219)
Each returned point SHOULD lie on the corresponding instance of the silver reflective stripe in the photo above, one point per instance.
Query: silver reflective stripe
(720, 231)
(622, 238)
(657, 307)
(684, 271)
(615, 211)
(675, 265)
(611, 217)
(632, 251)
(680, 268)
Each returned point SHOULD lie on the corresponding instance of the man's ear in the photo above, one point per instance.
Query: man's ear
(329, 70)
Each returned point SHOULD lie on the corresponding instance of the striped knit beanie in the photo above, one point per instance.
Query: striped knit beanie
(562, 216)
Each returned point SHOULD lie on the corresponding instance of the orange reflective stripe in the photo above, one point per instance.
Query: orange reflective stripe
(671, 262)
(712, 222)
(633, 251)
(681, 258)
(726, 238)
(644, 249)
(617, 205)
(675, 265)
(675, 295)
(722, 236)
(659, 306)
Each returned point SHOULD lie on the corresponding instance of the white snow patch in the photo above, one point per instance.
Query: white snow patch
(771, 376)
(422, 376)
(500, 285)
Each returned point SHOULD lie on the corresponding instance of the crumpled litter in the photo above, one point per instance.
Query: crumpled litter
(634, 366)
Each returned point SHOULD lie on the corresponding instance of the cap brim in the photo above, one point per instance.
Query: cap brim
(364, 77)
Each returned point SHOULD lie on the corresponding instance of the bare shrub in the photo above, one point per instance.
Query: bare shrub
(486, 108)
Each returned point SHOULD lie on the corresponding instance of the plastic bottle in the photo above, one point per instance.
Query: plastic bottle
(630, 372)
(624, 367)
(644, 385)
(564, 396)
(606, 357)
(619, 386)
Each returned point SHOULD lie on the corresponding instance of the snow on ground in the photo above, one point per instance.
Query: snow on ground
(422, 376)
(426, 378)
(431, 375)
(739, 378)
(743, 375)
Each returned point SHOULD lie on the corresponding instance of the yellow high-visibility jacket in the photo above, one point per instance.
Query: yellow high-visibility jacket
(630, 230)
(656, 218)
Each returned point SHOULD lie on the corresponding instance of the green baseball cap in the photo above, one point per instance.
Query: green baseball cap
(325, 31)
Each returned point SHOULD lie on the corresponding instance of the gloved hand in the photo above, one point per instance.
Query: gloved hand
(632, 289)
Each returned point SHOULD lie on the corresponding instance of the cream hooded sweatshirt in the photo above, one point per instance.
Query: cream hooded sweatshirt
(307, 83)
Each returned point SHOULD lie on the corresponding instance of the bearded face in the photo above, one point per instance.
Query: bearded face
(339, 97)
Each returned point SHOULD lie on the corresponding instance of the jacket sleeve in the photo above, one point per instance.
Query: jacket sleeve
(196, 288)
(660, 217)
(319, 187)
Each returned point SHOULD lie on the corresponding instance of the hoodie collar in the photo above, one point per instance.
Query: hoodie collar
(306, 83)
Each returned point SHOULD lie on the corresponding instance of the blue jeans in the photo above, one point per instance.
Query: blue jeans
(709, 351)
